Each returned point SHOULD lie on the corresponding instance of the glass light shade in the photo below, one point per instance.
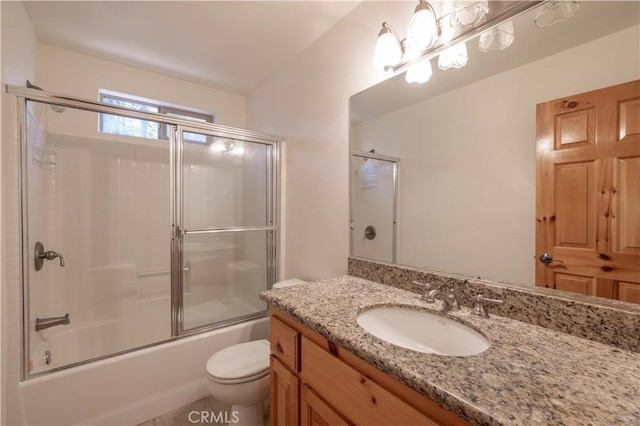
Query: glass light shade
(555, 11)
(498, 38)
(454, 57)
(423, 27)
(420, 72)
(467, 13)
(388, 51)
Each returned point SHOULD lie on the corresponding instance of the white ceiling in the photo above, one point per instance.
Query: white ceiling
(229, 45)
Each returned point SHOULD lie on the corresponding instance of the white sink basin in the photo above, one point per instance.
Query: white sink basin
(422, 331)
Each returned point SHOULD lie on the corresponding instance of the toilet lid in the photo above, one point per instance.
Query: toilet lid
(241, 361)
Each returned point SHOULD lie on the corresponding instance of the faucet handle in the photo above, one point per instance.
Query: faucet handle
(427, 286)
(479, 310)
(427, 289)
(455, 306)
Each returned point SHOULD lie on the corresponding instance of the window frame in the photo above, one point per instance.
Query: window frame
(163, 109)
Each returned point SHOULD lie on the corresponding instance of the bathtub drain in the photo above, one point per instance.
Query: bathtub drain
(47, 357)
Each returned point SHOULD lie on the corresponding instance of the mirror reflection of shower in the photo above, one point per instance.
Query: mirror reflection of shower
(374, 205)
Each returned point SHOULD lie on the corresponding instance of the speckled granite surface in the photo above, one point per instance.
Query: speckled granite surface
(605, 321)
(529, 376)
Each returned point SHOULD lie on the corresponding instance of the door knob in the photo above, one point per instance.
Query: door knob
(546, 258)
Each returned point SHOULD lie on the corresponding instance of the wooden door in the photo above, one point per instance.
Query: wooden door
(284, 395)
(588, 193)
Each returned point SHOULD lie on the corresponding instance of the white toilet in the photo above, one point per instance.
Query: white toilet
(239, 375)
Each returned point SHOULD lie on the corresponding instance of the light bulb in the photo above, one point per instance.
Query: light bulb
(217, 147)
(467, 12)
(498, 38)
(453, 57)
(388, 51)
(423, 27)
(420, 72)
(556, 11)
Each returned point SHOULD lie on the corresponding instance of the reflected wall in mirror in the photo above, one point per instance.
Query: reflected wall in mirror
(467, 138)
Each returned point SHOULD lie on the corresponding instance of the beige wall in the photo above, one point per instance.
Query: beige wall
(467, 183)
(74, 74)
(307, 103)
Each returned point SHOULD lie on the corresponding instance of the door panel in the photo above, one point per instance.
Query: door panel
(573, 194)
(626, 208)
(575, 127)
(588, 192)
(226, 216)
(629, 292)
(629, 113)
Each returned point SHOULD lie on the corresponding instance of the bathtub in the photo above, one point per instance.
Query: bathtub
(63, 344)
(128, 389)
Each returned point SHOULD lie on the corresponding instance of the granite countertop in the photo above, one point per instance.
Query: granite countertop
(529, 376)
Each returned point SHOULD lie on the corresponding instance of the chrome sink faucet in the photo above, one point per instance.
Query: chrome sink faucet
(449, 299)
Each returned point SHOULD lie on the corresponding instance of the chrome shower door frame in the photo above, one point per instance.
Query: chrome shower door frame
(176, 124)
(179, 230)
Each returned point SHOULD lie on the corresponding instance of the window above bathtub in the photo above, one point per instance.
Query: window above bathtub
(119, 125)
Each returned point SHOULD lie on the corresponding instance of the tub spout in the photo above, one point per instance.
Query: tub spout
(43, 323)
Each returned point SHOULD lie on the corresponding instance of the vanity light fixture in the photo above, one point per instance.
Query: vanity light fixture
(423, 28)
(429, 36)
(388, 49)
(556, 11)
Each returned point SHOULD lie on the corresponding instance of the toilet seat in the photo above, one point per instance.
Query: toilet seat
(241, 363)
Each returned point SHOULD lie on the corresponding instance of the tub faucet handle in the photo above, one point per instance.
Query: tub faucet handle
(40, 255)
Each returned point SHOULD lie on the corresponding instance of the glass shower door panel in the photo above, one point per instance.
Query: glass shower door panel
(102, 201)
(224, 182)
(373, 208)
(227, 227)
(223, 275)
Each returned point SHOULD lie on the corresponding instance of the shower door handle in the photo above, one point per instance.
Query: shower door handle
(175, 232)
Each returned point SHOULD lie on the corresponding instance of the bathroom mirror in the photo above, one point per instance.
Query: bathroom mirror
(465, 142)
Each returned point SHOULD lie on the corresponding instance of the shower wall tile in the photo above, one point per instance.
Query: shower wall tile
(12, 268)
(13, 314)
(12, 361)
(12, 341)
(13, 291)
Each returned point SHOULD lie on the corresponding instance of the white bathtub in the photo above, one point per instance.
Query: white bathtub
(129, 389)
(72, 343)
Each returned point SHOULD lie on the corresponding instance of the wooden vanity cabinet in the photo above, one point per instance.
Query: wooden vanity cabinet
(315, 383)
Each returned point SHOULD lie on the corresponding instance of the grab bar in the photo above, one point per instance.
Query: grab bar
(146, 274)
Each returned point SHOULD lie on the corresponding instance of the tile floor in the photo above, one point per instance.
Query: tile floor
(213, 413)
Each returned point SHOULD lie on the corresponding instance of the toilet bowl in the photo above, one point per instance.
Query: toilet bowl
(239, 375)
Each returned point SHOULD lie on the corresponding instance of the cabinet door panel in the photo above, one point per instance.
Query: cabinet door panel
(315, 412)
(362, 400)
(284, 344)
(284, 395)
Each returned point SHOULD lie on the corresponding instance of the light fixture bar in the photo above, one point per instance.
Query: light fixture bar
(499, 13)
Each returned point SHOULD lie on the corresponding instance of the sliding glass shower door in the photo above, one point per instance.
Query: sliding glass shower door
(95, 237)
(227, 227)
(130, 241)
